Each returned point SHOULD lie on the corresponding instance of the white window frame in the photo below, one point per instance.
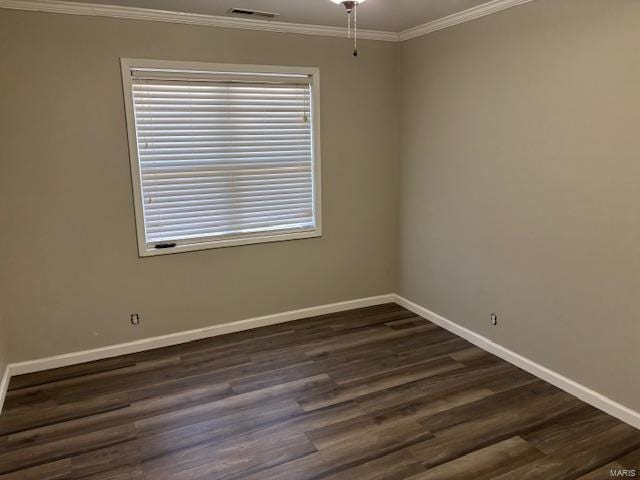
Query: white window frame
(128, 64)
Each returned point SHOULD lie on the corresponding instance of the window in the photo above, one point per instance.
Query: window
(222, 155)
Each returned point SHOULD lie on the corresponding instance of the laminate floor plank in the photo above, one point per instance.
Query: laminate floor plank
(347, 454)
(121, 458)
(134, 412)
(399, 376)
(467, 428)
(229, 459)
(376, 393)
(58, 470)
(397, 465)
(218, 429)
(622, 467)
(54, 414)
(579, 458)
(485, 463)
(66, 373)
(60, 449)
(410, 412)
(581, 424)
(459, 378)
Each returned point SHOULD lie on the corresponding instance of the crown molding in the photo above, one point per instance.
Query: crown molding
(134, 13)
(483, 10)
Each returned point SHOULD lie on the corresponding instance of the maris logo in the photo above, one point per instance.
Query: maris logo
(623, 473)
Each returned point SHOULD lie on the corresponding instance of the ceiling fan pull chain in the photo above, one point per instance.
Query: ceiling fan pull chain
(352, 8)
(355, 29)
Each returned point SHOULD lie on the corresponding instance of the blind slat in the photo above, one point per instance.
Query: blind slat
(211, 205)
(223, 217)
(168, 214)
(220, 195)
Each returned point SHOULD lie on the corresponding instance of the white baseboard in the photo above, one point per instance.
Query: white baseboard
(585, 394)
(4, 385)
(67, 359)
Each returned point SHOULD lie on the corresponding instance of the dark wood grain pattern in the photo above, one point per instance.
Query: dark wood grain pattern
(370, 394)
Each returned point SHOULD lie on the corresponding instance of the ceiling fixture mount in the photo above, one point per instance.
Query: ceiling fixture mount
(352, 7)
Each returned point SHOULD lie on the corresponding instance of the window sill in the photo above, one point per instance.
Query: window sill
(146, 251)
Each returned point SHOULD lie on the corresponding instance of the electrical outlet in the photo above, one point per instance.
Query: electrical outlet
(135, 319)
(493, 318)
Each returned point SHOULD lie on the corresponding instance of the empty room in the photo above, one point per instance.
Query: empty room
(319, 239)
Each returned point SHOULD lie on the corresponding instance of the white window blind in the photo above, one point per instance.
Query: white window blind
(223, 157)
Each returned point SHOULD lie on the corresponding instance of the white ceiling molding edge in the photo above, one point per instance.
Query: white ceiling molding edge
(133, 13)
(472, 13)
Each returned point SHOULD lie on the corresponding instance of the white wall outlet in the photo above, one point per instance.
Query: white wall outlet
(135, 319)
(493, 318)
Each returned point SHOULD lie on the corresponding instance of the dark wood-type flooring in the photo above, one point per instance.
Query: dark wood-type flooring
(371, 394)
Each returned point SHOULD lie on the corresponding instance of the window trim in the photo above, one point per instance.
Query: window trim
(127, 64)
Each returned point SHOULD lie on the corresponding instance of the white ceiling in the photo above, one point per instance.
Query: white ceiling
(385, 15)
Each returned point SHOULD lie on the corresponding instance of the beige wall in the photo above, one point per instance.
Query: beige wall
(520, 184)
(69, 267)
